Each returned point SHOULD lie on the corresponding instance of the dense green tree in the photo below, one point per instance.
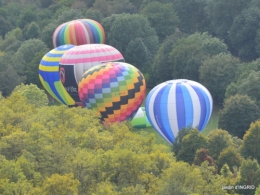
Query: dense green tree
(104, 188)
(228, 176)
(192, 15)
(79, 5)
(27, 16)
(60, 184)
(139, 54)
(229, 156)
(102, 6)
(30, 47)
(220, 138)
(138, 189)
(162, 66)
(251, 142)
(249, 174)
(94, 14)
(65, 3)
(33, 31)
(177, 144)
(89, 3)
(221, 15)
(46, 34)
(183, 179)
(213, 180)
(243, 76)
(248, 86)
(10, 171)
(27, 165)
(191, 142)
(177, 179)
(31, 51)
(12, 41)
(5, 26)
(46, 3)
(12, 145)
(243, 33)
(257, 192)
(109, 7)
(257, 42)
(14, 10)
(118, 28)
(9, 79)
(217, 72)
(162, 17)
(19, 187)
(33, 94)
(189, 53)
(237, 114)
(120, 6)
(68, 15)
(31, 69)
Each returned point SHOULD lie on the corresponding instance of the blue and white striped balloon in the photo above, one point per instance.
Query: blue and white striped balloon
(177, 104)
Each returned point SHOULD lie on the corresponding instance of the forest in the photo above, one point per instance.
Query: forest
(48, 148)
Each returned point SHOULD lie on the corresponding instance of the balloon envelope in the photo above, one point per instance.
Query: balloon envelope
(78, 32)
(115, 89)
(79, 59)
(140, 119)
(49, 74)
(177, 104)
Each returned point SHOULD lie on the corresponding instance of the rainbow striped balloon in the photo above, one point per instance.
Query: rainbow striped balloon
(78, 32)
(115, 89)
(49, 74)
(79, 59)
(177, 104)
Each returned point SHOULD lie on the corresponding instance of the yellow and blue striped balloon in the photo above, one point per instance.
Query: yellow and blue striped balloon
(177, 104)
(49, 74)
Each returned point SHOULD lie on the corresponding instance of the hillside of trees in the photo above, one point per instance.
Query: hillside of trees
(56, 150)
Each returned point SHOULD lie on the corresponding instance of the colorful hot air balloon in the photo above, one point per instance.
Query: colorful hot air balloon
(78, 32)
(177, 104)
(140, 119)
(115, 89)
(49, 74)
(79, 59)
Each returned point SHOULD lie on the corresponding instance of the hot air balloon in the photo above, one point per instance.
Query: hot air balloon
(79, 59)
(49, 74)
(114, 89)
(140, 119)
(177, 104)
(78, 32)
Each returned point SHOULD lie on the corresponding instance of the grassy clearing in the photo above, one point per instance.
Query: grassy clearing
(212, 124)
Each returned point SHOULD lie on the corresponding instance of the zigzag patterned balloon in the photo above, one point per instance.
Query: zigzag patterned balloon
(79, 59)
(115, 89)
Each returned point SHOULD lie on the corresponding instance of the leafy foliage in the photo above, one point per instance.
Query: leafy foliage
(190, 143)
(188, 54)
(238, 112)
(119, 37)
(220, 138)
(33, 94)
(244, 32)
(217, 72)
(162, 17)
(250, 146)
